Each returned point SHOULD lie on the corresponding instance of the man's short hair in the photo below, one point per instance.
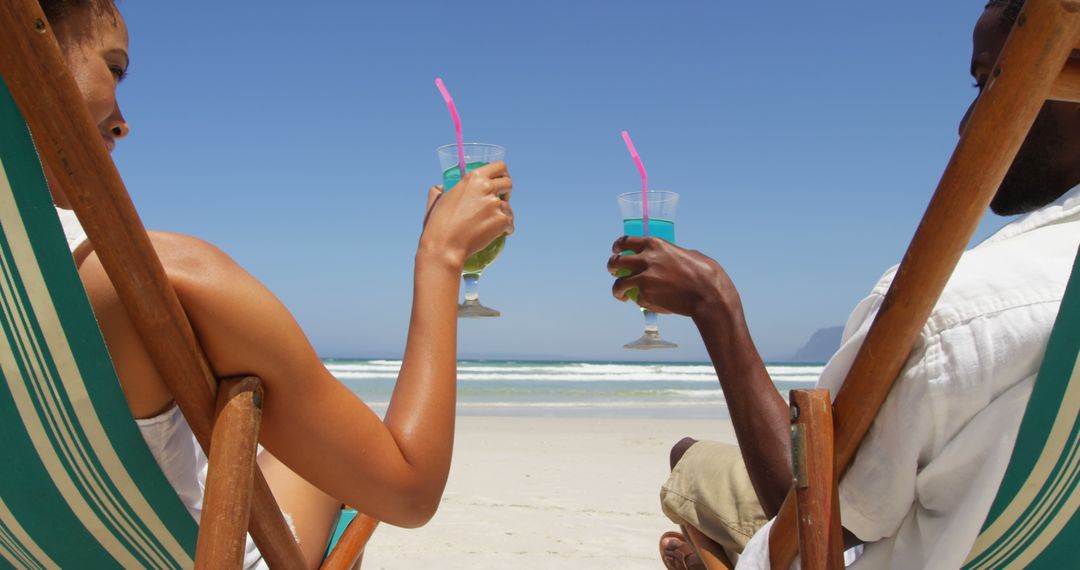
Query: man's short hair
(1010, 9)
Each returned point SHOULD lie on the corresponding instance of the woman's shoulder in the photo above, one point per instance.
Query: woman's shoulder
(189, 258)
(177, 243)
(179, 252)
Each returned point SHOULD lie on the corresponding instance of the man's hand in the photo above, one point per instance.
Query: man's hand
(669, 279)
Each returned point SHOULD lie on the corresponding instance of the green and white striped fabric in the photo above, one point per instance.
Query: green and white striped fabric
(78, 486)
(1033, 522)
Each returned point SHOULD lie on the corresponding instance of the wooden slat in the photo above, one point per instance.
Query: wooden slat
(817, 506)
(352, 543)
(1030, 62)
(1067, 85)
(223, 528)
(784, 543)
(71, 148)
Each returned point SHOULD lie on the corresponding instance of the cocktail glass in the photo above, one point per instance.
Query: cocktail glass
(476, 155)
(662, 206)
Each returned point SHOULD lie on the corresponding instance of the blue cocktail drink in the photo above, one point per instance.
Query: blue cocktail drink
(661, 224)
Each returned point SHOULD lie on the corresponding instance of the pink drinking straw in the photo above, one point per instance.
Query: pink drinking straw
(457, 123)
(644, 182)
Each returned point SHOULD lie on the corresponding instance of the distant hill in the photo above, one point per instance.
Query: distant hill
(821, 346)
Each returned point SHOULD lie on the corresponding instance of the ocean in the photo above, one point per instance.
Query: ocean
(578, 389)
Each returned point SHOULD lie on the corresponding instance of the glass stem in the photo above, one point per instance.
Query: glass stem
(472, 286)
(651, 325)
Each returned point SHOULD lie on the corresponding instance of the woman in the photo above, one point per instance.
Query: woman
(394, 470)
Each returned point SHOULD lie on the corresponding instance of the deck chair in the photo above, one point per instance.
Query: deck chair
(78, 487)
(1033, 521)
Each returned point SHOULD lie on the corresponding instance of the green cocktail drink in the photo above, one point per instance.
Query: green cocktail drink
(473, 155)
(476, 262)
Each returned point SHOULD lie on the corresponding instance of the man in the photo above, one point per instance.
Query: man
(927, 471)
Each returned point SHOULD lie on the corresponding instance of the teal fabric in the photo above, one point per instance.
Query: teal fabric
(347, 516)
(78, 487)
(1040, 485)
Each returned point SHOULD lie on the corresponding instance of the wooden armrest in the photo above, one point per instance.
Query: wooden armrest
(1067, 85)
(352, 543)
(816, 498)
(227, 505)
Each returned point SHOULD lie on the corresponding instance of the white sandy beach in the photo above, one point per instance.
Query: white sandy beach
(547, 493)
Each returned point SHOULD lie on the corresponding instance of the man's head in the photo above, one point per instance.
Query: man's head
(1048, 163)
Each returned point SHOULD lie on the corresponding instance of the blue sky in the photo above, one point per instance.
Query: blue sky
(804, 138)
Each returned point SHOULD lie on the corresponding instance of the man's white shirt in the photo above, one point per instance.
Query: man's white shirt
(924, 477)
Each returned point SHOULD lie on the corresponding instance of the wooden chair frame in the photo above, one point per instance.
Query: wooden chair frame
(225, 418)
(1033, 67)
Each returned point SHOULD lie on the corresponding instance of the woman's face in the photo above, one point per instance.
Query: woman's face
(95, 47)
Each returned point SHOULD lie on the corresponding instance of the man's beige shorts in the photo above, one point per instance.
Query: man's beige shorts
(710, 490)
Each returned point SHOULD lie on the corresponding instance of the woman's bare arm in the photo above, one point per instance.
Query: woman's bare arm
(395, 470)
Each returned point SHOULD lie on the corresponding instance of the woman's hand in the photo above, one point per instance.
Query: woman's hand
(472, 214)
(670, 279)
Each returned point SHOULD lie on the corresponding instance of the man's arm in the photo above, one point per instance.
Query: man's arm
(759, 414)
(675, 280)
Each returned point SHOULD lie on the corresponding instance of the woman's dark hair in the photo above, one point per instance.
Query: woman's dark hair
(57, 10)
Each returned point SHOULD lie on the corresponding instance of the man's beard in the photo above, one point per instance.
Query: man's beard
(1031, 182)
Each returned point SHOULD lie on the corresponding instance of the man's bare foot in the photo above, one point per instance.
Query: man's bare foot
(677, 553)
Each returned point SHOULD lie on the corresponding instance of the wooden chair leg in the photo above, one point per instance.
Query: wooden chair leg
(710, 553)
(816, 501)
(226, 507)
(350, 547)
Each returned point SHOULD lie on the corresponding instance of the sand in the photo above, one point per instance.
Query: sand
(547, 493)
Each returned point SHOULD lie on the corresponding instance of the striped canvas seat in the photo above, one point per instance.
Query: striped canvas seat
(78, 486)
(1033, 522)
